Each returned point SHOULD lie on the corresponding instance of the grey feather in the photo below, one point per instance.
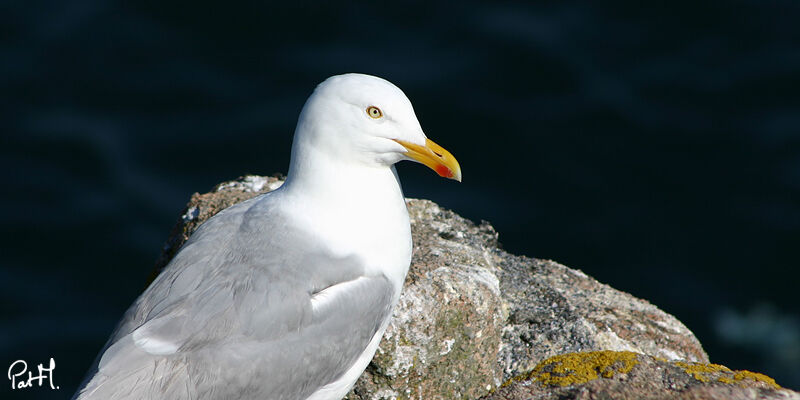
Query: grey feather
(233, 314)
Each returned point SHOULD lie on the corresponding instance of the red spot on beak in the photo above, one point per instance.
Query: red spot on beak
(444, 171)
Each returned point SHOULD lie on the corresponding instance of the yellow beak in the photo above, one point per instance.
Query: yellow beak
(435, 157)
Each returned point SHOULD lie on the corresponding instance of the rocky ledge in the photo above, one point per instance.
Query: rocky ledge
(476, 322)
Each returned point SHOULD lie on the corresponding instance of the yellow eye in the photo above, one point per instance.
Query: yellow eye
(374, 112)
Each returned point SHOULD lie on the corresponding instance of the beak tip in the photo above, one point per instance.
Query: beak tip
(434, 157)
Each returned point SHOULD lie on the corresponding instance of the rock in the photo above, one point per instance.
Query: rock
(472, 316)
(628, 375)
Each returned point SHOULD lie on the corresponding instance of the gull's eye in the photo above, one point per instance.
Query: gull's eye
(374, 112)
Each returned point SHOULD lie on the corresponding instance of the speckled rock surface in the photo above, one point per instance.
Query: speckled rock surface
(472, 316)
(533, 309)
(555, 310)
(627, 375)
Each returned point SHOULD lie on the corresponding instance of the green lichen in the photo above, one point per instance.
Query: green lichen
(465, 360)
(714, 372)
(577, 368)
(433, 370)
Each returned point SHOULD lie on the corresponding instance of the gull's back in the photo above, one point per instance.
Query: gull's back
(242, 312)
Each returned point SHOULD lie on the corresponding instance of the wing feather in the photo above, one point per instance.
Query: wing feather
(249, 307)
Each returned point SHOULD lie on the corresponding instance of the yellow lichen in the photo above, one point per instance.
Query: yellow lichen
(700, 371)
(725, 379)
(577, 368)
(740, 375)
(707, 372)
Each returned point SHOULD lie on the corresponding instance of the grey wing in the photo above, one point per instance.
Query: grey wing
(249, 308)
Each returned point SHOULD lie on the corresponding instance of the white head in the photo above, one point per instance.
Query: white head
(362, 119)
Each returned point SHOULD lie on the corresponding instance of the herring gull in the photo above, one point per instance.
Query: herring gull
(285, 296)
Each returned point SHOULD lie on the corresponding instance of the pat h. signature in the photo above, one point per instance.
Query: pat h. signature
(17, 370)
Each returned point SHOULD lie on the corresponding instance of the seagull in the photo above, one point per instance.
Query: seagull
(285, 296)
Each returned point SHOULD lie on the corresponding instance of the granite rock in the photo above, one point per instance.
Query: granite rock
(472, 316)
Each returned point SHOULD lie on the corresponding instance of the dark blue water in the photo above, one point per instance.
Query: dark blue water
(656, 146)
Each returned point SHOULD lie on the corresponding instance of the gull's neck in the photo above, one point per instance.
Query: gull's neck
(318, 175)
(357, 208)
